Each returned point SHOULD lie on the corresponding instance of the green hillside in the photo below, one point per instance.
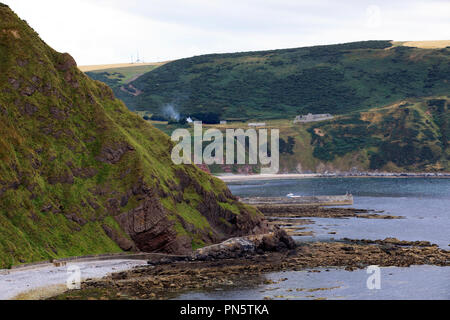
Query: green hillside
(410, 135)
(80, 174)
(335, 79)
(115, 77)
(118, 79)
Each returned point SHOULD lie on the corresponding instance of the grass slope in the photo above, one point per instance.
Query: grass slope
(411, 135)
(73, 158)
(118, 78)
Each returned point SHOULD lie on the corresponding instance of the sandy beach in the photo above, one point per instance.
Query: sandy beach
(41, 282)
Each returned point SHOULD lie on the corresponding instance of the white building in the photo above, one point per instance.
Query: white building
(257, 124)
(312, 117)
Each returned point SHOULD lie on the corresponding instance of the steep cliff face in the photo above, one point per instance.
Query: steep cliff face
(80, 174)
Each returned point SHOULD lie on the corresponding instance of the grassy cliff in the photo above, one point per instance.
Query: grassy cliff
(80, 174)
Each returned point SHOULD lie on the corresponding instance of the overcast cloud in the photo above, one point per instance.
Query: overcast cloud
(111, 31)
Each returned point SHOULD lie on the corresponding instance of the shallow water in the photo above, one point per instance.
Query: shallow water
(425, 204)
(417, 282)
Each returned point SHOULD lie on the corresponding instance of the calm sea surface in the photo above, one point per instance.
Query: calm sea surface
(425, 205)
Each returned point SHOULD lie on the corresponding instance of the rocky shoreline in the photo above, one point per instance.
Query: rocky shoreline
(293, 218)
(244, 262)
(237, 267)
(300, 211)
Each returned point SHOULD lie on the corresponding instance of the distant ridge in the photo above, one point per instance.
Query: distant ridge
(118, 65)
(275, 84)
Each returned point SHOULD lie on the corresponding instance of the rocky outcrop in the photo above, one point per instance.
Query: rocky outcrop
(314, 211)
(113, 154)
(124, 243)
(150, 228)
(278, 240)
(237, 225)
(65, 177)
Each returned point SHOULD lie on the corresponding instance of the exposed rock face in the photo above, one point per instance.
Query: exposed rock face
(240, 224)
(64, 177)
(76, 218)
(151, 230)
(113, 154)
(28, 109)
(124, 243)
(66, 62)
(237, 225)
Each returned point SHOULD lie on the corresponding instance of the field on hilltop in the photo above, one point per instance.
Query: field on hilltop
(436, 44)
(109, 67)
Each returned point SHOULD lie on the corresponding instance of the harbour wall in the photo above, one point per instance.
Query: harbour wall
(305, 201)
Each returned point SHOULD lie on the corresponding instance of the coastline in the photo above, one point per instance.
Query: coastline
(250, 261)
(294, 176)
(43, 281)
(236, 263)
(169, 279)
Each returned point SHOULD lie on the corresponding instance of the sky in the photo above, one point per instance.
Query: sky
(115, 31)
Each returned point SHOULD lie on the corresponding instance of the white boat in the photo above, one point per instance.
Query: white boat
(291, 195)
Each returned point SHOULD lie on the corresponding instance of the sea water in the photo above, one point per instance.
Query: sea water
(424, 204)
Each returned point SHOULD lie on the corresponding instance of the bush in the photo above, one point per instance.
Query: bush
(207, 117)
(287, 147)
(158, 117)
